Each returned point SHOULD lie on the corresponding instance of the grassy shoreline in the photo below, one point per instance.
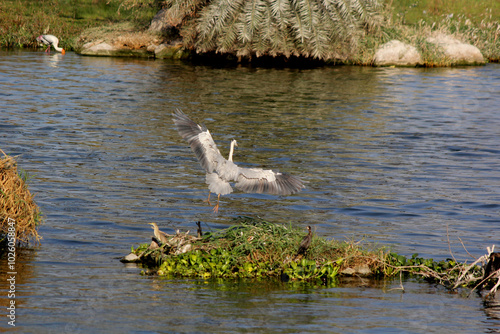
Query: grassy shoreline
(21, 21)
(409, 21)
(477, 23)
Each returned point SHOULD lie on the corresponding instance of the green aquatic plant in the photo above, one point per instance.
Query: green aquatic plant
(308, 269)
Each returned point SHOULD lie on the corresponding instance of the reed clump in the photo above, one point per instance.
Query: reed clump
(18, 210)
(122, 34)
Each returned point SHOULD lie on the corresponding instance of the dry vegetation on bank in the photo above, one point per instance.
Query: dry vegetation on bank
(19, 214)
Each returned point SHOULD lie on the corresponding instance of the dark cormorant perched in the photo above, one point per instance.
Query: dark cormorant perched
(200, 233)
(491, 267)
(305, 243)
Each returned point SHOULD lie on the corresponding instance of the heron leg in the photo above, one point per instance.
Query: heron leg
(208, 199)
(216, 207)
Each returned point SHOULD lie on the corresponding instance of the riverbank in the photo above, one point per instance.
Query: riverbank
(100, 22)
(477, 23)
(22, 21)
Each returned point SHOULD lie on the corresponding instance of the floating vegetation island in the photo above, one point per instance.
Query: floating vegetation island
(254, 248)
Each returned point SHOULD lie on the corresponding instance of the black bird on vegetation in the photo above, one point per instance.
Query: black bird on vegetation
(305, 243)
(200, 232)
(491, 268)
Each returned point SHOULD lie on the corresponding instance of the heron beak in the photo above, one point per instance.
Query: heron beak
(63, 51)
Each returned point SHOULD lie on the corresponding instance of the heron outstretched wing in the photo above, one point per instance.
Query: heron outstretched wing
(200, 140)
(256, 180)
(220, 172)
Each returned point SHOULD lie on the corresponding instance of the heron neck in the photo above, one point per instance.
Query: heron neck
(231, 151)
(155, 230)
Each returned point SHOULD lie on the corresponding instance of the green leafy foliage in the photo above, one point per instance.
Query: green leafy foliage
(307, 269)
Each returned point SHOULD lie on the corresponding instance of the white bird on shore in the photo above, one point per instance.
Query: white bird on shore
(221, 171)
(50, 40)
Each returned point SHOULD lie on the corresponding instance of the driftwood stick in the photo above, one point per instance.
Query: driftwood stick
(484, 258)
(401, 287)
(469, 267)
(483, 281)
(449, 244)
(465, 248)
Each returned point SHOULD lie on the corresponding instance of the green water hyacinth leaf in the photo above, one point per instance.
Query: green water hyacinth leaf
(193, 257)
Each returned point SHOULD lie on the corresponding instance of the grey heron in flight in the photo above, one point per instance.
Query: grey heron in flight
(220, 172)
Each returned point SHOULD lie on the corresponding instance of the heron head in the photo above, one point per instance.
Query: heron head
(233, 142)
(153, 225)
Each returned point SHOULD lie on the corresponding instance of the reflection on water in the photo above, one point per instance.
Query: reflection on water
(396, 156)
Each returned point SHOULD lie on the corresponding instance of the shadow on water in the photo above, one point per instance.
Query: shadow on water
(393, 156)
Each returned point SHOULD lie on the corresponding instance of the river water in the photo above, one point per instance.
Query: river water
(407, 158)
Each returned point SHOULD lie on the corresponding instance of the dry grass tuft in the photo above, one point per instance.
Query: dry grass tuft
(122, 35)
(17, 207)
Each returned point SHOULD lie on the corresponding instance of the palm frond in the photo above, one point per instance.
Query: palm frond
(179, 10)
(308, 28)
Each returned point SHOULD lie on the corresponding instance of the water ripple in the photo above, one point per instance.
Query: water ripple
(400, 157)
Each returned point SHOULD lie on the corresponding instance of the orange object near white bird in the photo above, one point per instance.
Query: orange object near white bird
(50, 40)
